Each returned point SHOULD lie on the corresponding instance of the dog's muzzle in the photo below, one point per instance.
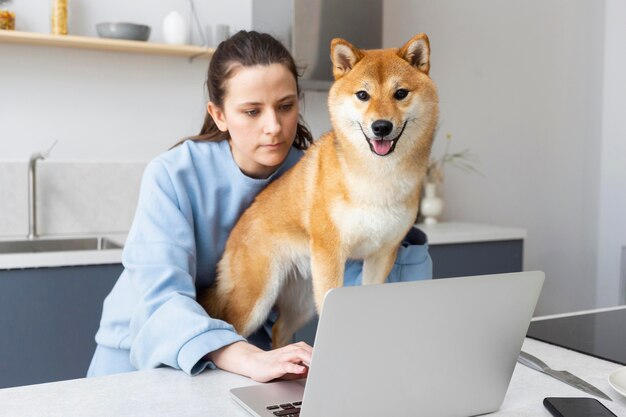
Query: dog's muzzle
(380, 144)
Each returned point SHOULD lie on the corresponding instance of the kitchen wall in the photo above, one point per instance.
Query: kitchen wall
(536, 90)
(612, 201)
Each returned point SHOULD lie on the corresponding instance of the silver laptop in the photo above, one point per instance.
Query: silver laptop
(435, 348)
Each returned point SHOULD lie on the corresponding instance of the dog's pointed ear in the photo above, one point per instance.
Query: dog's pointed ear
(344, 57)
(417, 52)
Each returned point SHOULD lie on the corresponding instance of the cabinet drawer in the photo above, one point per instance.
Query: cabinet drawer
(477, 258)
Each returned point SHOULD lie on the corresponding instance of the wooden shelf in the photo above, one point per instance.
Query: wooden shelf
(101, 44)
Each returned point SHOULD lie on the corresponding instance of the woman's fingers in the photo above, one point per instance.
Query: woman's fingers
(297, 355)
(300, 349)
(292, 368)
(298, 358)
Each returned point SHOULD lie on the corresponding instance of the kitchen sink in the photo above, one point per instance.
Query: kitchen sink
(57, 245)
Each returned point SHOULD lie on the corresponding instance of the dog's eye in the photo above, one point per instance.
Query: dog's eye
(400, 94)
(362, 95)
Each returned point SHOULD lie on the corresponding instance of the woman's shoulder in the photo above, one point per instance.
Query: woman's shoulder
(185, 168)
(189, 150)
(189, 155)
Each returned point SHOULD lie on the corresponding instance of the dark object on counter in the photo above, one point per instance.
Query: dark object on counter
(576, 407)
(122, 30)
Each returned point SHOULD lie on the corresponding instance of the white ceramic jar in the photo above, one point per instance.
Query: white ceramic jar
(431, 206)
(175, 30)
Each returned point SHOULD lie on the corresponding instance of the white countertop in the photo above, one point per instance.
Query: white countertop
(458, 232)
(167, 392)
(438, 234)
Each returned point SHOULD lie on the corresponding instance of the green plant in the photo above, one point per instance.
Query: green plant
(464, 160)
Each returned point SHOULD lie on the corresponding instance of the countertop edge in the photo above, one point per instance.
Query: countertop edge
(459, 232)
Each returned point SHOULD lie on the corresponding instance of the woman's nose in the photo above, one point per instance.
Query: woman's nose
(272, 123)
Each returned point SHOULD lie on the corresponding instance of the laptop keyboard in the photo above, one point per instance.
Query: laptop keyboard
(286, 410)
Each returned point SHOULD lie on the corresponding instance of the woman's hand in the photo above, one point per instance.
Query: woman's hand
(289, 362)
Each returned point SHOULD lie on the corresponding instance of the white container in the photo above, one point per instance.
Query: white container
(431, 206)
(175, 29)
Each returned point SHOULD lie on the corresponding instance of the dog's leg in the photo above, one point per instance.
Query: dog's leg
(245, 303)
(327, 269)
(295, 306)
(378, 265)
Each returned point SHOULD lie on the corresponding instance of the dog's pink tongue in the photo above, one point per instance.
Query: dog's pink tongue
(382, 147)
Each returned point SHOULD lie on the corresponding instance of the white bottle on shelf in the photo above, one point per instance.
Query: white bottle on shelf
(175, 29)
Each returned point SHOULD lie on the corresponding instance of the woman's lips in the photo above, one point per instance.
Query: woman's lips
(272, 145)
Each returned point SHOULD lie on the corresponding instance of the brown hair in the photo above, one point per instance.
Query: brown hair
(245, 48)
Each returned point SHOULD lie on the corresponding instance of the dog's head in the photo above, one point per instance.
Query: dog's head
(383, 101)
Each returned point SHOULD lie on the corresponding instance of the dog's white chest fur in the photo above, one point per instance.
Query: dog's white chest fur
(367, 228)
(377, 214)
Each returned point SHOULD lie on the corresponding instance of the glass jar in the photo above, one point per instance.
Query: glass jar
(7, 17)
(58, 17)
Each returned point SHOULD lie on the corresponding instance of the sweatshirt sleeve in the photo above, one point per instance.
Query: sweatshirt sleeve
(167, 326)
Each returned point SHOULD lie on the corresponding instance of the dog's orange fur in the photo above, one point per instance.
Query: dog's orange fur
(341, 201)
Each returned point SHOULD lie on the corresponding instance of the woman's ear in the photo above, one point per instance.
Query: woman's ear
(218, 116)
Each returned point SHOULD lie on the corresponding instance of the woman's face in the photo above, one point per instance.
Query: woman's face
(260, 112)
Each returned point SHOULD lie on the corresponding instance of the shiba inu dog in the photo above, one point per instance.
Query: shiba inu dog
(353, 195)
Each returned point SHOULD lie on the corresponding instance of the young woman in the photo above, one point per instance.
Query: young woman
(190, 199)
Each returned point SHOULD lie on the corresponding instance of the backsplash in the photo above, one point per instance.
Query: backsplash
(73, 198)
(13, 199)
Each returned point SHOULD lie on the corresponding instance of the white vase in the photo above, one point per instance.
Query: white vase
(175, 30)
(431, 206)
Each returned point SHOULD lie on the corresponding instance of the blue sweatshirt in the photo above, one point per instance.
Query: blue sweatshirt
(190, 199)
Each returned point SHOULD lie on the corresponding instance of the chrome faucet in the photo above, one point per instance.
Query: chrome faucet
(32, 190)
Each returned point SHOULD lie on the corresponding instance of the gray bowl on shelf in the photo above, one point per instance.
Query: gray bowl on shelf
(122, 30)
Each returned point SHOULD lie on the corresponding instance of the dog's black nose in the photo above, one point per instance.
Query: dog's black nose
(382, 128)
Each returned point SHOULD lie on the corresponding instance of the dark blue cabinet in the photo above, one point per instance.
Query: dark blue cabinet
(477, 258)
(48, 320)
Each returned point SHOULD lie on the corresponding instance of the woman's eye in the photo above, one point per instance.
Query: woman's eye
(362, 95)
(401, 94)
(286, 107)
(253, 112)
